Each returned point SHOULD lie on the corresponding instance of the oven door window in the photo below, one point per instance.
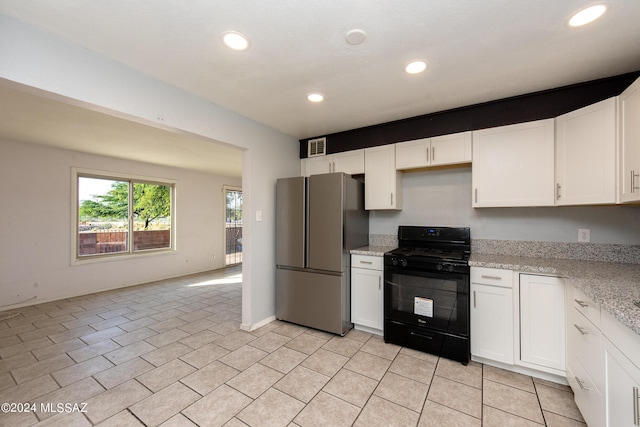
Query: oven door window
(434, 300)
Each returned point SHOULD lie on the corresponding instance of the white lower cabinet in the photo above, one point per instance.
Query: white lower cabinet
(622, 389)
(542, 322)
(492, 314)
(367, 310)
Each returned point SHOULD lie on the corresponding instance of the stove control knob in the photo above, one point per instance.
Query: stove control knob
(439, 267)
(450, 268)
(394, 261)
(404, 262)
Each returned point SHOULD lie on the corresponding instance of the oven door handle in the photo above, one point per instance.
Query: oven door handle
(419, 335)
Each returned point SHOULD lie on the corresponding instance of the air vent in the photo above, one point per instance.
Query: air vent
(317, 147)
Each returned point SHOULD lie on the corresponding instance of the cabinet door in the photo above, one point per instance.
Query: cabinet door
(622, 390)
(585, 155)
(492, 322)
(629, 144)
(542, 321)
(451, 149)
(318, 165)
(514, 165)
(413, 154)
(351, 162)
(366, 298)
(383, 183)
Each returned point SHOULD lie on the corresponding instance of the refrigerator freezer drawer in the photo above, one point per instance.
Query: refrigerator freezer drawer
(316, 300)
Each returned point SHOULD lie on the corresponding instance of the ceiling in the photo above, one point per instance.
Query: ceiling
(475, 51)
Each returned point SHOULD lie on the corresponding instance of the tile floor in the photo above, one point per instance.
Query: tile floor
(171, 353)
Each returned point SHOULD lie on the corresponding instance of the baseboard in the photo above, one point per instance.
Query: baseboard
(255, 326)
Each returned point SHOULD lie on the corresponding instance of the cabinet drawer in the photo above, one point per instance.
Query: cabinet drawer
(587, 396)
(587, 307)
(369, 262)
(586, 346)
(492, 276)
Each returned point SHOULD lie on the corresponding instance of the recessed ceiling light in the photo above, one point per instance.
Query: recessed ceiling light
(587, 15)
(235, 41)
(415, 67)
(315, 97)
(355, 37)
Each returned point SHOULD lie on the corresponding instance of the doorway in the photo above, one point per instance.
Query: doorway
(233, 225)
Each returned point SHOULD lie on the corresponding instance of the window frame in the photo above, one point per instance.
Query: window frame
(76, 174)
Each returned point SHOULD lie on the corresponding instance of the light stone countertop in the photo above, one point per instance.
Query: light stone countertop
(615, 286)
(372, 250)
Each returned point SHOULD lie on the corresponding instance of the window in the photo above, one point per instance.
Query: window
(122, 215)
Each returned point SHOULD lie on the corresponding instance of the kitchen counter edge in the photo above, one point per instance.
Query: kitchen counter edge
(372, 250)
(615, 286)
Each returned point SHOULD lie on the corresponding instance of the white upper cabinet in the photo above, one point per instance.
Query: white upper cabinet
(586, 155)
(514, 165)
(351, 162)
(440, 150)
(383, 183)
(629, 144)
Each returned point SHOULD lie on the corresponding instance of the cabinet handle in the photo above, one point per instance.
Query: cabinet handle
(379, 282)
(491, 277)
(581, 384)
(475, 195)
(433, 154)
(427, 154)
(366, 262)
(636, 407)
(633, 181)
(581, 330)
(474, 299)
(581, 303)
(558, 186)
(391, 199)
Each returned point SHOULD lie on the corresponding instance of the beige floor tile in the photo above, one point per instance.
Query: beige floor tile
(369, 365)
(71, 333)
(136, 324)
(457, 396)
(165, 375)
(94, 350)
(200, 339)
(109, 403)
(555, 420)
(134, 336)
(121, 419)
(167, 353)
(284, 359)
(204, 355)
(512, 400)
(167, 325)
(192, 313)
(217, 407)
(492, 417)
(344, 346)
(381, 412)
(243, 357)
(83, 320)
(358, 335)
(119, 374)
(351, 387)
(197, 326)
(115, 313)
(306, 343)
(9, 341)
(102, 335)
(376, 345)
(224, 327)
(513, 379)
(167, 314)
(416, 369)
(39, 333)
(289, 330)
(558, 401)
(77, 392)
(17, 361)
(235, 340)
(255, 380)
(57, 349)
(164, 404)
(81, 370)
(38, 369)
(470, 375)
(327, 410)
(210, 377)
(45, 323)
(128, 352)
(270, 342)
(25, 347)
(436, 415)
(30, 390)
(166, 338)
(403, 391)
(539, 381)
(325, 362)
(302, 383)
(108, 323)
(141, 313)
(271, 409)
(66, 419)
(178, 420)
(6, 381)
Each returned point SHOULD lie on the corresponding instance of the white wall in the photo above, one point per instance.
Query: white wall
(49, 65)
(36, 225)
(443, 198)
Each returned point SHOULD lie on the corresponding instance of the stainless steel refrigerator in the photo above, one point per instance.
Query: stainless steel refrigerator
(319, 220)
